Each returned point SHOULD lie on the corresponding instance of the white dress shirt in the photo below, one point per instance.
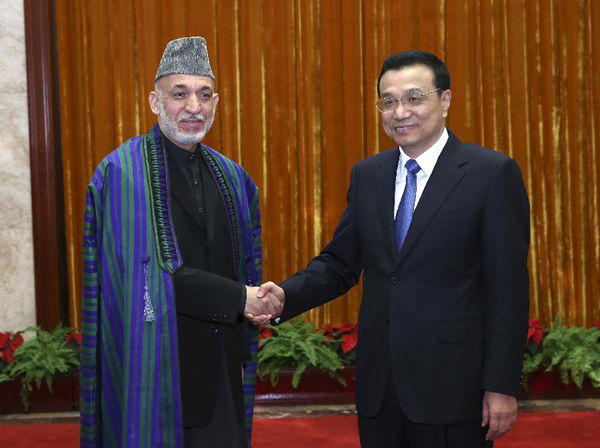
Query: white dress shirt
(426, 161)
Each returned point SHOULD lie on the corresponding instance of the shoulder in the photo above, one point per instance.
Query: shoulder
(493, 164)
(123, 153)
(486, 166)
(479, 157)
(118, 159)
(485, 155)
(379, 159)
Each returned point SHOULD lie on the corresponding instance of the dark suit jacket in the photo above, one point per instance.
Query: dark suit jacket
(448, 314)
(212, 333)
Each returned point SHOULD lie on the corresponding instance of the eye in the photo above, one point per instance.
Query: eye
(389, 102)
(178, 95)
(205, 96)
(413, 99)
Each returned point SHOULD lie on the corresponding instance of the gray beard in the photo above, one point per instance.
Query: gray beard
(170, 129)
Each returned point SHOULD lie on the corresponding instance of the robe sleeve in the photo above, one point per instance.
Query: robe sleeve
(91, 424)
(255, 275)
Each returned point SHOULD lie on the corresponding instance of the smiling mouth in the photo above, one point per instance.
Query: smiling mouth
(405, 127)
(191, 123)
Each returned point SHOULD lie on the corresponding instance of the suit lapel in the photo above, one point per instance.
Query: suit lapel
(445, 177)
(385, 179)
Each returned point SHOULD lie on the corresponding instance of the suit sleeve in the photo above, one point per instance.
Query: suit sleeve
(505, 242)
(331, 273)
(210, 297)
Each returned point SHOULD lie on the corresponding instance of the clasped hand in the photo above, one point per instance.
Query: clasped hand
(264, 303)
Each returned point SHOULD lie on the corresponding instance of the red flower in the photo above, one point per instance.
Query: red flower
(4, 338)
(8, 344)
(74, 338)
(347, 328)
(346, 334)
(536, 332)
(264, 333)
(349, 342)
(327, 330)
(598, 324)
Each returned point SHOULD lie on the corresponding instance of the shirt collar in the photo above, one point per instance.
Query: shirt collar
(182, 156)
(429, 158)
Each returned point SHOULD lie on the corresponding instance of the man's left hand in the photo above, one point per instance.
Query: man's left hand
(500, 412)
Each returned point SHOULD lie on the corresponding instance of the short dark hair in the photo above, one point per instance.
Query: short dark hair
(397, 61)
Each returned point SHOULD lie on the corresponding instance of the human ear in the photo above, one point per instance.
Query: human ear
(154, 101)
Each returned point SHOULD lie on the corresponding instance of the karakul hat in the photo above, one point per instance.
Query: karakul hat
(185, 56)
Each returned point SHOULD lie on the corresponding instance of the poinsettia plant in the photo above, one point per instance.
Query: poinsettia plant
(39, 357)
(573, 351)
(9, 342)
(343, 340)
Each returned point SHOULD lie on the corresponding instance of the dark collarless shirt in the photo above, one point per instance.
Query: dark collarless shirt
(206, 287)
(189, 163)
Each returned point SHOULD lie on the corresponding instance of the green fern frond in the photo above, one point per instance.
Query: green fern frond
(40, 358)
(295, 344)
(573, 351)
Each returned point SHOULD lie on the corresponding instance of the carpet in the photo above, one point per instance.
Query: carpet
(532, 430)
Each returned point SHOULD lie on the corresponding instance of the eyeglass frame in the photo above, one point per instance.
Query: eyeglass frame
(402, 100)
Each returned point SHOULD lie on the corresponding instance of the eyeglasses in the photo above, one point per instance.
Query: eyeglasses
(412, 98)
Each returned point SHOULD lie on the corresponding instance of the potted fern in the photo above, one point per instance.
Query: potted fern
(298, 363)
(561, 361)
(40, 371)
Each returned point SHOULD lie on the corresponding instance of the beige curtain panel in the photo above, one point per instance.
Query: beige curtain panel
(297, 82)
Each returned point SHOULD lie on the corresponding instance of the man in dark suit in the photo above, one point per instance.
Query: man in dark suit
(440, 229)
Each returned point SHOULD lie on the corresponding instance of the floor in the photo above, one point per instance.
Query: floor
(591, 404)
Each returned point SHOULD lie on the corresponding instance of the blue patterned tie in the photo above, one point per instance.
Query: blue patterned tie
(407, 203)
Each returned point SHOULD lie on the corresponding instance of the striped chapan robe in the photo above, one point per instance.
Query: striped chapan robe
(130, 387)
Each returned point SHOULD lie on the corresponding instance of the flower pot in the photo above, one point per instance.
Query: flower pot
(64, 395)
(542, 385)
(315, 387)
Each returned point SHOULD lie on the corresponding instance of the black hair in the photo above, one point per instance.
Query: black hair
(397, 61)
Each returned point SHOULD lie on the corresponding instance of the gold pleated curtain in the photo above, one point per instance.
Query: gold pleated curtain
(297, 84)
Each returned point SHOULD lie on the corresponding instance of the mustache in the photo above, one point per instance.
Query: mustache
(199, 117)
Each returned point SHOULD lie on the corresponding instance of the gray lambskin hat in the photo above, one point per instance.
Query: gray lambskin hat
(185, 56)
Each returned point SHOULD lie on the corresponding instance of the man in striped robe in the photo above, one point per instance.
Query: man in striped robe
(172, 237)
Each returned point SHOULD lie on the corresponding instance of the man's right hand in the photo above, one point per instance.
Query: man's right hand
(262, 305)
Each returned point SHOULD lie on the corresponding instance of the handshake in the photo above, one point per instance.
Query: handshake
(264, 303)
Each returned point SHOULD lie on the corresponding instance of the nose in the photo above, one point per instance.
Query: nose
(193, 104)
(401, 111)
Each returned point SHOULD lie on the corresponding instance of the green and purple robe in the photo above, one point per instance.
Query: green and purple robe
(130, 390)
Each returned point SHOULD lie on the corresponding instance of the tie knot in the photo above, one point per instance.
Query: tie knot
(412, 166)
